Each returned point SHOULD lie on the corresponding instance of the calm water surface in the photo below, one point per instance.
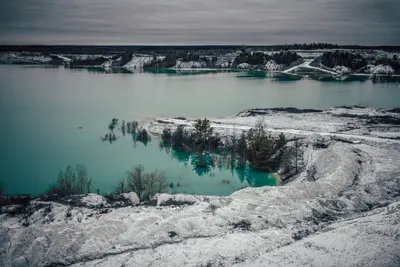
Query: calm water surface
(42, 108)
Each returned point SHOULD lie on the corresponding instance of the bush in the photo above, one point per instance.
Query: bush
(264, 151)
(121, 188)
(181, 139)
(145, 185)
(71, 182)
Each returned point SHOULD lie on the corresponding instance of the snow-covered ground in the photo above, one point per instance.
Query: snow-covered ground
(345, 212)
(137, 62)
(23, 58)
(272, 66)
(189, 65)
(306, 65)
(380, 69)
(355, 124)
(341, 70)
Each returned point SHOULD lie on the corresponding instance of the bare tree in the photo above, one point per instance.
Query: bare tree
(145, 185)
(292, 158)
(83, 183)
(136, 180)
(297, 155)
(72, 182)
(120, 187)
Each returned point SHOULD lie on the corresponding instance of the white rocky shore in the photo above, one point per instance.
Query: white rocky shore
(343, 209)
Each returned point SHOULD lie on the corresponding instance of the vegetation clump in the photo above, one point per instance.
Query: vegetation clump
(74, 181)
(260, 58)
(343, 58)
(393, 62)
(263, 151)
(145, 185)
(113, 123)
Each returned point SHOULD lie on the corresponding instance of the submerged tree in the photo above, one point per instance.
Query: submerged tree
(143, 135)
(242, 147)
(166, 137)
(123, 129)
(132, 127)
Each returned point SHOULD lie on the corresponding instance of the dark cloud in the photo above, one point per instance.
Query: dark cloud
(199, 22)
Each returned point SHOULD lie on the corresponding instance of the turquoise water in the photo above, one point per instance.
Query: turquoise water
(41, 110)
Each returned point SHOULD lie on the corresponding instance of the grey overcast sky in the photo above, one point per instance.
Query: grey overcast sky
(249, 22)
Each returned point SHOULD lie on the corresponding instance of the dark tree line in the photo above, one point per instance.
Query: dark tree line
(343, 58)
(311, 46)
(185, 56)
(162, 49)
(259, 58)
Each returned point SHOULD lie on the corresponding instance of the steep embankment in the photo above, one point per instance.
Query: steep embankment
(344, 203)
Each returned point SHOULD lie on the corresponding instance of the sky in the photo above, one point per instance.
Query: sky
(248, 22)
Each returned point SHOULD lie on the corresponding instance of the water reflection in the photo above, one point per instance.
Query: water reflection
(252, 75)
(218, 162)
(183, 72)
(100, 70)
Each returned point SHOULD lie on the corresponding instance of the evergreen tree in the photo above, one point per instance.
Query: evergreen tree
(281, 142)
(202, 133)
(261, 148)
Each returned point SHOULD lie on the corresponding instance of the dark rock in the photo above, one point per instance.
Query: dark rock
(172, 234)
(242, 225)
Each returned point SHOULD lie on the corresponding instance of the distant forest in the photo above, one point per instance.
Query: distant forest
(86, 49)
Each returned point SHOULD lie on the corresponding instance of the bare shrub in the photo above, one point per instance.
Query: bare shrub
(121, 188)
(71, 182)
(145, 185)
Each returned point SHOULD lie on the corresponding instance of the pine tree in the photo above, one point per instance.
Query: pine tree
(202, 133)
